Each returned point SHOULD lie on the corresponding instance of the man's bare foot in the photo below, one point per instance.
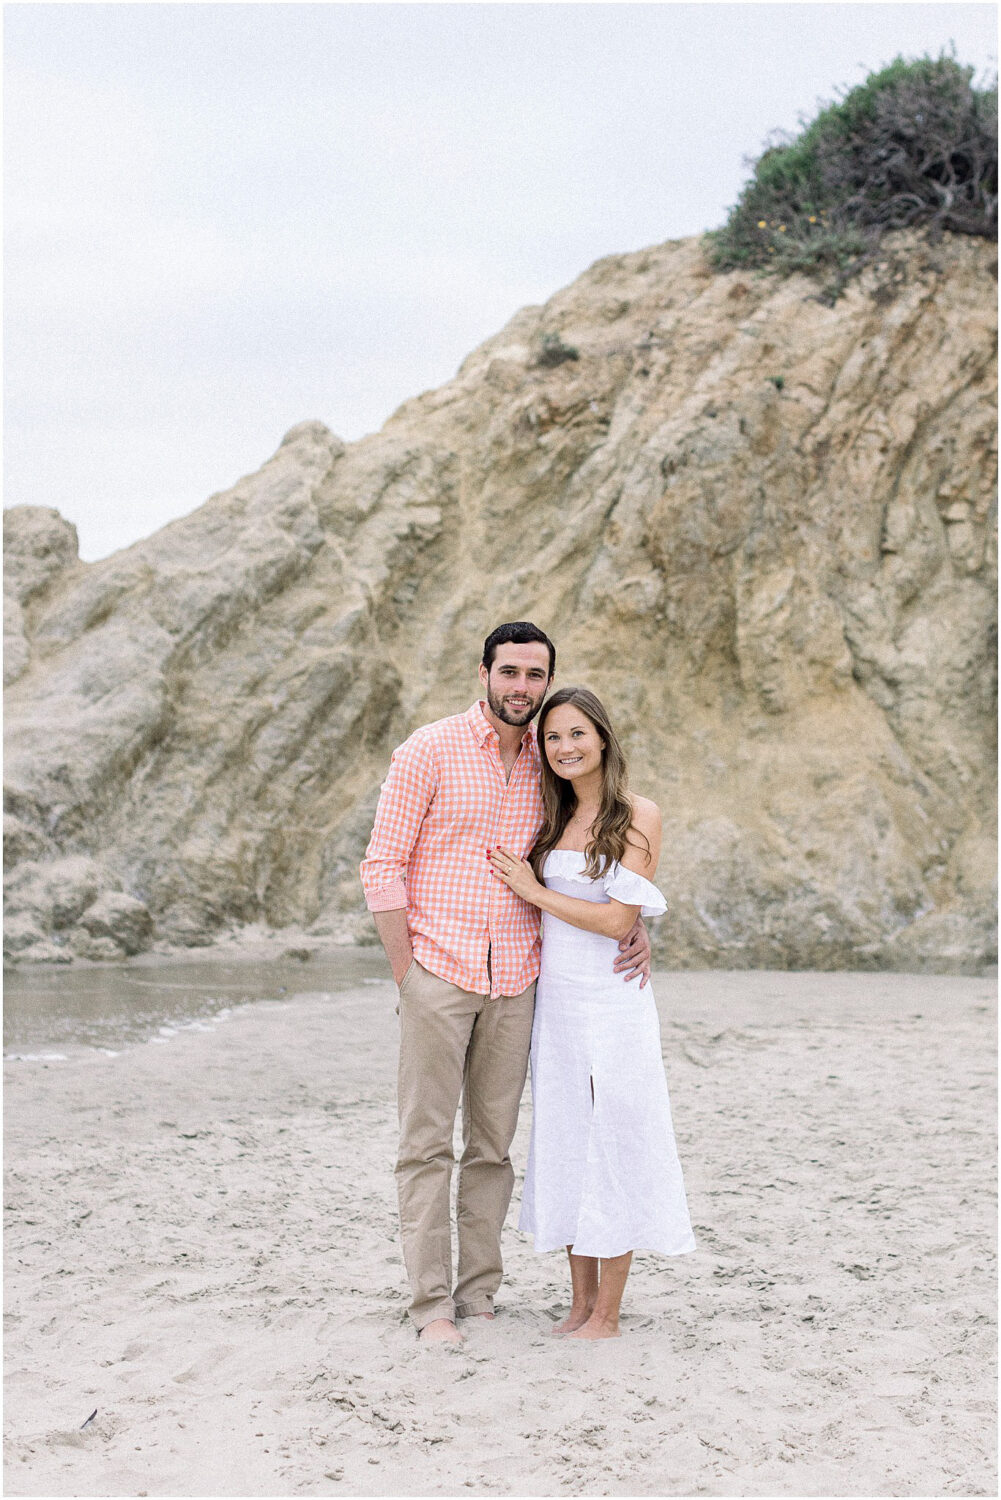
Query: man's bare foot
(440, 1331)
(573, 1320)
(596, 1328)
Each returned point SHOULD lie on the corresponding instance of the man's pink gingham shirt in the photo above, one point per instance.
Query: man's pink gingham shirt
(444, 803)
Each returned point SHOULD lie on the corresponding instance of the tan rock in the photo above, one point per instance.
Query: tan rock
(38, 544)
(56, 892)
(761, 528)
(121, 919)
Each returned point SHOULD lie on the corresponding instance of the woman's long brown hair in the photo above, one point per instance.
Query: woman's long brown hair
(610, 829)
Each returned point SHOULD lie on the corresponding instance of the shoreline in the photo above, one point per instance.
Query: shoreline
(258, 944)
(202, 1245)
(252, 944)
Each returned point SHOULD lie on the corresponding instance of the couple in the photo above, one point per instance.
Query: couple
(477, 832)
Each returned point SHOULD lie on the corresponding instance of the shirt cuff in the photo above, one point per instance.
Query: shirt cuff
(389, 898)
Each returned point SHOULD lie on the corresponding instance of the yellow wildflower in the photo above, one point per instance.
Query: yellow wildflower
(782, 229)
(813, 218)
(762, 223)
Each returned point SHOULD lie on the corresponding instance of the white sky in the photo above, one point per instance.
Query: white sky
(225, 219)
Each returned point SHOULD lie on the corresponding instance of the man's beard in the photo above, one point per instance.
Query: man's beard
(518, 718)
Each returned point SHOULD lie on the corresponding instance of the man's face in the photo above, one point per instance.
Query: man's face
(517, 681)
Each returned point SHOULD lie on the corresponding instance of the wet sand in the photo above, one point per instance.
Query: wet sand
(201, 1245)
(112, 1005)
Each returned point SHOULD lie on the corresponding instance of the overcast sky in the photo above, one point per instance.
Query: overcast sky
(224, 219)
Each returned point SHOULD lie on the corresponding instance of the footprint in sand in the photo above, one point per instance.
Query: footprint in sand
(204, 1366)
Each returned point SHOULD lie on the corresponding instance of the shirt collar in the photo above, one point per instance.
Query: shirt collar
(476, 718)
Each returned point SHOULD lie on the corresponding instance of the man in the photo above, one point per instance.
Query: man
(464, 951)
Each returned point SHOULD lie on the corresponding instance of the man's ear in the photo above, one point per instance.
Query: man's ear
(483, 675)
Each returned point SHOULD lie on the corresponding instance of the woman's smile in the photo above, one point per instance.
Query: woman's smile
(572, 744)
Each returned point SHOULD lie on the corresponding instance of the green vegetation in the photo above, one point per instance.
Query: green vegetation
(553, 351)
(915, 144)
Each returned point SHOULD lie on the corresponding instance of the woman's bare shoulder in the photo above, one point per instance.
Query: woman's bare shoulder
(646, 814)
(643, 839)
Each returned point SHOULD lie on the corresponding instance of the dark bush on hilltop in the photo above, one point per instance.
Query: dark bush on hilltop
(553, 351)
(915, 144)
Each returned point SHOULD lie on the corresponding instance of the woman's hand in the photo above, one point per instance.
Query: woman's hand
(516, 873)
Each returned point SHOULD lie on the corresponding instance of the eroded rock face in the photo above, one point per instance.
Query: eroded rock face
(760, 528)
(37, 545)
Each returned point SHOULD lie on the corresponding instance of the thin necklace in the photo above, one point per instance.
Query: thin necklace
(580, 813)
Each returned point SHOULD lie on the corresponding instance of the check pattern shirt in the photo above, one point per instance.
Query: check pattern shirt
(444, 803)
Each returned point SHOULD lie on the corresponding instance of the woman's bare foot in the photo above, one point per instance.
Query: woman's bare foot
(440, 1331)
(596, 1328)
(576, 1318)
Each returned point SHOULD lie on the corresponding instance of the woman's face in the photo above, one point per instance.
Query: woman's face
(573, 746)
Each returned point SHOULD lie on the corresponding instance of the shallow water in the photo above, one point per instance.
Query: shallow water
(116, 1006)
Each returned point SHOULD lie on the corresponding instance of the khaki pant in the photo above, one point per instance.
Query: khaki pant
(456, 1045)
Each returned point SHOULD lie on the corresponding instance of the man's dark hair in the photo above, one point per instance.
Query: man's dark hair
(518, 633)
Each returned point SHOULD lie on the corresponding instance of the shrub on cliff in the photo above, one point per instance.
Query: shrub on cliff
(915, 144)
(553, 351)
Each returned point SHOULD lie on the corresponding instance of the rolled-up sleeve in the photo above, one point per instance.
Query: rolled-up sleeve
(406, 795)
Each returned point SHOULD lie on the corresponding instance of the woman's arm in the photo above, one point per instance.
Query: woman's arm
(643, 839)
(641, 856)
(612, 918)
(609, 918)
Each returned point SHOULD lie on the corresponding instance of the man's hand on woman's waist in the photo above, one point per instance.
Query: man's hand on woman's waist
(633, 960)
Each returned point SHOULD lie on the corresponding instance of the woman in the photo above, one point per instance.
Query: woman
(603, 1175)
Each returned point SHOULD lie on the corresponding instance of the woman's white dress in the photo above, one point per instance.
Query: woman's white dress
(602, 1177)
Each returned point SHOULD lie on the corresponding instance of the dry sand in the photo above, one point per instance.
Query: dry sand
(202, 1246)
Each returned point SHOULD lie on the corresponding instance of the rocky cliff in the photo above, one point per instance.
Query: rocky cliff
(761, 528)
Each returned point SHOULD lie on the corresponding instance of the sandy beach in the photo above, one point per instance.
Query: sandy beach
(201, 1246)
